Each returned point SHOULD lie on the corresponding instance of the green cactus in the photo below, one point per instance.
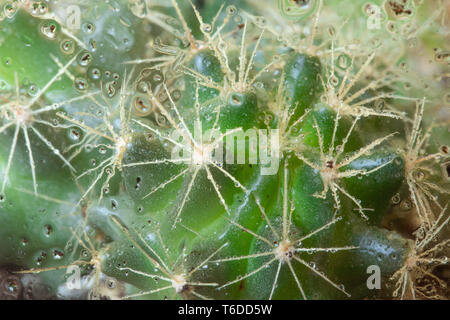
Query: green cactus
(223, 149)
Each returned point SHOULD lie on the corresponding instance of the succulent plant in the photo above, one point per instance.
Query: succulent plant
(224, 149)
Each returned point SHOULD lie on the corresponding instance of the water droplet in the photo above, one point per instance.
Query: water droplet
(157, 78)
(396, 199)
(110, 89)
(39, 8)
(95, 73)
(84, 59)
(142, 106)
(343, 61)
(81, 84)
(7, 61)
(58, 254)
(74, 134)
(10, 10)
(48, 230)
(32, 90)
(236, 99)
(49, 29)
(110, 284)
(296, 10)
(88, 28)
(231, 10)
(206, 27)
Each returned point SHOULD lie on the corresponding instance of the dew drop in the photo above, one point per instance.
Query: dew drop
(67, 46)
(88, 28)
(49, 29)
(74, 134)
(84, 59)
(80, 84)
(231, 10)
(95, 73)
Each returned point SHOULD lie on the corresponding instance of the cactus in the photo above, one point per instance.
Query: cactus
(119, 123)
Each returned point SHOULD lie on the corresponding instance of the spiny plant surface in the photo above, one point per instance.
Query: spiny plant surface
(118, 118)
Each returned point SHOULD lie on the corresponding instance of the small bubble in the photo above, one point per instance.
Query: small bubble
(24, 242)
(160, 120)
(67, 46)
(88, 28)
(80, 84)
(95, 73)
(12, 285)
(57, 254)
(333, 81)
(74, 134)
(149, 136)
(236, 99)
(142, 106)
(85, 254)
(49, 29)
(32, 90)
(84, 59)
(7, 61)
(48, 230)
(110, 284)
(176, 95)
(369, 9)
(157, 78)
(231, 10)
(110, 89)
(396, 199)
(9, 10)
(93, 45)
(391, 27)
(102, 150)
(143, 86)
(39, 8)
(206, 27)
(344, 61)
